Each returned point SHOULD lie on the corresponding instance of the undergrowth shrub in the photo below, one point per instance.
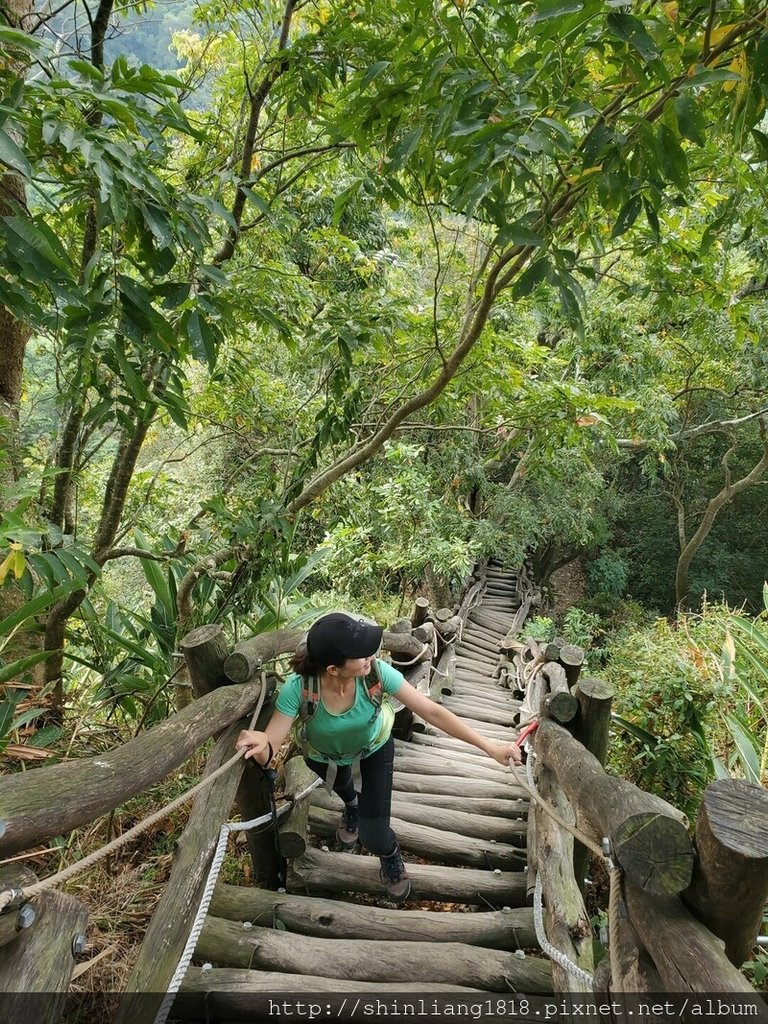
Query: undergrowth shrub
(671, 694)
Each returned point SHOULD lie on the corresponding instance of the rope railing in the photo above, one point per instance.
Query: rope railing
(14, 895)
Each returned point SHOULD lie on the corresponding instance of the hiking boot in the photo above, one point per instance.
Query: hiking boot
(346, 833)
(394, 876)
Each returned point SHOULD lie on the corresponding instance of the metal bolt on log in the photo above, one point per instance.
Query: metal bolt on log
(27, 916)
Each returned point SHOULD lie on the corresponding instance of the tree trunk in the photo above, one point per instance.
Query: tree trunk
(714, 507)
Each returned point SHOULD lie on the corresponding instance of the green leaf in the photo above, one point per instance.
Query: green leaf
(674, 163)
(86, 70)
(202, 338)
(689, 119)
(645, 737)
(18, 668)
(547, 9)
(373, 72)
(652, 217)
(632, 31)
(518, 234)
(36, 605)
(535, 274)
(15, 37)
(708, 78)
(13, 157)
(42, 240)
(155, 575)
(405, 148)
(628, 214)
(746, 747)
(760, 61)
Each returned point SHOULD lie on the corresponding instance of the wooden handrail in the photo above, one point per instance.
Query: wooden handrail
(52, 800)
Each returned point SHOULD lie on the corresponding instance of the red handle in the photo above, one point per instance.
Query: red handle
(531, 727)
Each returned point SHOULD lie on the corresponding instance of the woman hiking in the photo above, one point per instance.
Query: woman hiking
(337, 700)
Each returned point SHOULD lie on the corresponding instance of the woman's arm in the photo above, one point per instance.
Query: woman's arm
(257, 744)
(445, 720)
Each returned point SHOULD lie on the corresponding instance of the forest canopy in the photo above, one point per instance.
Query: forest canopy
(357, 293)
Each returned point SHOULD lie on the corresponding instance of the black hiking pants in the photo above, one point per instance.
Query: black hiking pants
(375, 799)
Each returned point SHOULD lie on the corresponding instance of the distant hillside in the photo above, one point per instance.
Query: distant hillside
(144, 36)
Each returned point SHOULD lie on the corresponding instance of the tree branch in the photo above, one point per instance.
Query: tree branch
(715, 427)
(727, 493)
(204, 567)
(470, 333)
(258, 98)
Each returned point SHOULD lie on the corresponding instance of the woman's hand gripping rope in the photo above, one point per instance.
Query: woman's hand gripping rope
(256, 745)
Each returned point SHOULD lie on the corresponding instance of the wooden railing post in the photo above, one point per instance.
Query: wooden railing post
(650, 839)
(591, 728)
(206, 654)
(174, 914)
(729, 887)
(36, 967)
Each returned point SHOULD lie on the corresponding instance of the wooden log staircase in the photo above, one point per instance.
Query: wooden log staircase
(476, 845)
(461, 821)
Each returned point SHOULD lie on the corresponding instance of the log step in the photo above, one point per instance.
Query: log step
(460, 822)
(227, 943)
(331, 919)
(434, 844)
(318, 873)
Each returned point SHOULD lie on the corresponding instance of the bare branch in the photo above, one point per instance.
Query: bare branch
(715, 427)
(204, 567)
(137, 553)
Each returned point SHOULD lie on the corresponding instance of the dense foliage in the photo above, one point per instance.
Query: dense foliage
(341, 297)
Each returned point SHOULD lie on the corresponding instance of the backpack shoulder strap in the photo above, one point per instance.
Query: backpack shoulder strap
(310, 697)
(375, 686)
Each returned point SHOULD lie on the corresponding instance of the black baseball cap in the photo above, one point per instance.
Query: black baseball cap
(337, 636)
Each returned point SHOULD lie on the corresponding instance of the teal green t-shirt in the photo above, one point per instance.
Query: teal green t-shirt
(341, 738)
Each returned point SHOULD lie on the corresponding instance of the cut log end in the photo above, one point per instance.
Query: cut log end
(562, 707)
(201, 635)
(737, 812)
(239, 667)
(655, 853)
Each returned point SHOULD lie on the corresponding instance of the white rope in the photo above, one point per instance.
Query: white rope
(424, 649)
(205, 900)
(547, 947)
(538, 915)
